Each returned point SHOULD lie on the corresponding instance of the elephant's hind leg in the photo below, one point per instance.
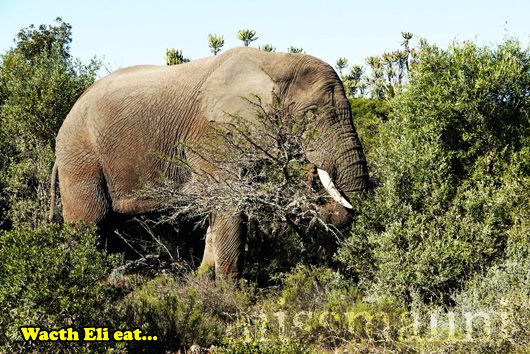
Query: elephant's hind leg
(83, 193)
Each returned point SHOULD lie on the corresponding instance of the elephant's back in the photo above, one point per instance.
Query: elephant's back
(144, 96)
(130, 117)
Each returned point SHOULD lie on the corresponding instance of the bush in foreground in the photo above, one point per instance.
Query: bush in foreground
(182, 311)
(53, 277)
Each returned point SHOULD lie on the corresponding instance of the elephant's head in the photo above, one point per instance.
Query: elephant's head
(336, 153)
(306, 84)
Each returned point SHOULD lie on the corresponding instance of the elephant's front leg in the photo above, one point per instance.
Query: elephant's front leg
(208, 262)
(227, 244)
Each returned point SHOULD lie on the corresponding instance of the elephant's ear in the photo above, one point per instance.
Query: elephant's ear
(227, 90)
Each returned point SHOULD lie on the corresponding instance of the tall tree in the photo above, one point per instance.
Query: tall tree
(342, 63)
(354, 82)
(32, 42)
(247, 36)
(390, 70)
(215, 42)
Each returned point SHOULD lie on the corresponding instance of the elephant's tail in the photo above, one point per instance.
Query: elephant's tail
(53, 182)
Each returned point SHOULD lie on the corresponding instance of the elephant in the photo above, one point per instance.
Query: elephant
(103, 146)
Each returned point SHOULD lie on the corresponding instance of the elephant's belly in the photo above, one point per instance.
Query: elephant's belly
(130, 179)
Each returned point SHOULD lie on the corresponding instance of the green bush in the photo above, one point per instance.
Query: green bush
(368, 115)
(314, 310)
(182, 311)
(447, 230)
(237, 346)
(452, 164)
(53, 277)
(504, 292)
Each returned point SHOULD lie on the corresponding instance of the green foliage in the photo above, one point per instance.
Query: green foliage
(295, 50)
(454, 185)
(389, 71)
(369, 115)
(175, 57)
(52, 277)
(237, 346)
(341, 64)
(39, 83)
(355, 83)
(489, 316)
(316, 308)
(32, 42)
(268, 48)
(215, 42)
(387, 75)
(504, 290)
(183, 311)
(247, 36)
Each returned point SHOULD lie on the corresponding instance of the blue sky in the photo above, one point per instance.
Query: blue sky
(133, 32)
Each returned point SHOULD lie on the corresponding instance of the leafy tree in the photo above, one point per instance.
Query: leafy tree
(247, 36)
(295, 50)
(39, 83)
(342, 63)
(389, 71)
(175, 57)
(215, 42)
(32, 41)
(354, 82)
(268, 48)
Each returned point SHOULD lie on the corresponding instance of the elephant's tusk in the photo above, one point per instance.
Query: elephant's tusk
(331, 189)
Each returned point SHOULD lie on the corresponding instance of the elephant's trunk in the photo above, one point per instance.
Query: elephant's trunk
(343, 165)
(351, 171)
(339, 152)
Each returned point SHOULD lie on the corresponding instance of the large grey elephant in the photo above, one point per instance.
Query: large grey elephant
(103, 147)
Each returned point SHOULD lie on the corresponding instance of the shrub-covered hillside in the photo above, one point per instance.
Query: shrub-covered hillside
(437, 259)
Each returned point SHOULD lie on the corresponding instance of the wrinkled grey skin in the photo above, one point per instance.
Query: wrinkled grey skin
(103, 147)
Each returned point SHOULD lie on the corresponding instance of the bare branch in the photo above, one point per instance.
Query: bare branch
(255, 167)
